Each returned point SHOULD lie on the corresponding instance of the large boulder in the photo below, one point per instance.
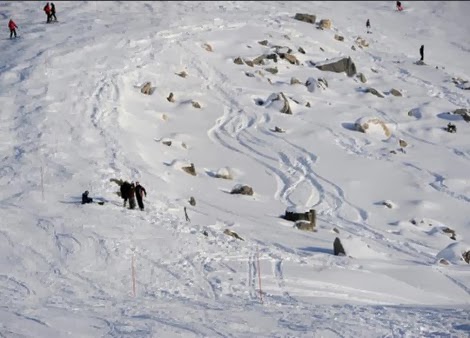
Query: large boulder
(372, 125)
(338, 65)
(309, 18)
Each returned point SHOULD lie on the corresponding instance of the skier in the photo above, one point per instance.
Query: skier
(399, 6)
(85, 198)
(47, 9)
(12, 25)
(368, 26)
(140, 192)
(421, 52)
(53, 11)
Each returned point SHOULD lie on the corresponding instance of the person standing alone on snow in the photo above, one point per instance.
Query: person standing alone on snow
(421, 52)
(399, 6)
(140, 192)
(47, 9)
(53, 11)
(368, 26)
(12, 25)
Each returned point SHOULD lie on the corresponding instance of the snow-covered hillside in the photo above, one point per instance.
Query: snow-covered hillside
(72, 117)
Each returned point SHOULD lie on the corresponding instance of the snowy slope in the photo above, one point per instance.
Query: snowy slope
(72, 117)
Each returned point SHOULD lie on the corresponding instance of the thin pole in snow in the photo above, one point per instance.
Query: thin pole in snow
(42, 182)
(133, 275)
(259, 276)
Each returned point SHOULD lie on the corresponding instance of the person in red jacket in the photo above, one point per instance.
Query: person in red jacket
(12, 25)
(47, 9)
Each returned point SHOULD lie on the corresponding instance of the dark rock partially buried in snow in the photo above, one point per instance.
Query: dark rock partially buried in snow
(146, 88)
(294, 215)
(190, 170)
(282, 99)
(340, 65)
(338, 249)
(242, 190)
(233, 234)
(362, 77)
(238, 61)
(395, 92)
(339, 37)
(465, 113)
(309, 18)
(375, 92)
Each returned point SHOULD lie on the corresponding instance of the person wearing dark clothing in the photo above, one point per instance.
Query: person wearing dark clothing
(125, 191)
(12, 25)
(132, 196)
(140, 192)
(53, 11)
(85, 198)
(399, 7)
(47, 9)
(368, 26)
(421, 52)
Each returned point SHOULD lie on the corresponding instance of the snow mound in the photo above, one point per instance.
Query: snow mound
(453, 253)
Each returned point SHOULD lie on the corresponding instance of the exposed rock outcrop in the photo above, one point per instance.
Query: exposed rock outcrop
(340, 65)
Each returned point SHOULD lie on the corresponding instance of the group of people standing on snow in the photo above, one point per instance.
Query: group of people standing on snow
(49, 9)
(129, 191)
(399, 8)
(50, 12)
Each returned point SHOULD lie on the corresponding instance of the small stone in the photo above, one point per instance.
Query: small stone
(207, 47)
(183, 74)
(196, 104)
(238, 61)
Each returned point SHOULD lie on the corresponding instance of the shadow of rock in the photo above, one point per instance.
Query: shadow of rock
(449, 116)
(317, 249)
(349, 126)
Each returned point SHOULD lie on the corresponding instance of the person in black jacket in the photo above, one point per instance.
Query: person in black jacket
(368, 26)
(132, 196)
(53, 11)
(421, 52)
(85, 198)
(140, 192)
(125, 191)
